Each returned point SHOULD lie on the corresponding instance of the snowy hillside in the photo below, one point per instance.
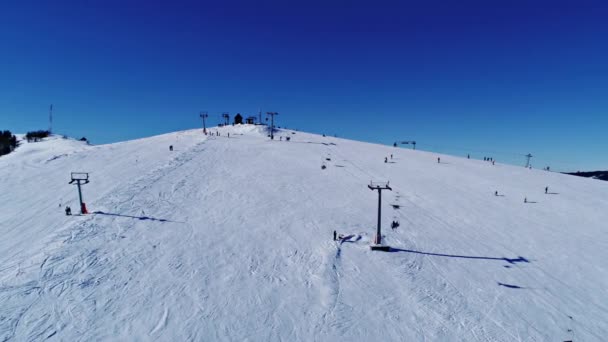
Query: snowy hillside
(230, 239)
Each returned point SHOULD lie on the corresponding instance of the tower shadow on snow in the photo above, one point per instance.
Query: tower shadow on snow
(510, 286)
(142, 218)
(509, 260)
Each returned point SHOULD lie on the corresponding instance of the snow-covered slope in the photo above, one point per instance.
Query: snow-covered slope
(230, 238)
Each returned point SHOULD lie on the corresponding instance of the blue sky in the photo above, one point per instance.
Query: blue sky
(490, 78)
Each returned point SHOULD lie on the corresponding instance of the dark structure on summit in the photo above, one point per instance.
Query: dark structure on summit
(238, 119)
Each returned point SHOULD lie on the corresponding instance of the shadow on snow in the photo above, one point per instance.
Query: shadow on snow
(142, 218)
(510, 286)
(510, 261)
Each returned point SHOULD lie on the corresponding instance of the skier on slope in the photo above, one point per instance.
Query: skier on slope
(546, 189)
(385, 159)
(68, 210)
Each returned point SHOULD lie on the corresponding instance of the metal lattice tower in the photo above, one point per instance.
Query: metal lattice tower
(51, 119)
(226, 117)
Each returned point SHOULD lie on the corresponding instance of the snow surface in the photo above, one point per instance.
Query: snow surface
(231, 239)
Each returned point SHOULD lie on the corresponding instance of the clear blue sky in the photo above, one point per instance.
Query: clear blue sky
(493, 78)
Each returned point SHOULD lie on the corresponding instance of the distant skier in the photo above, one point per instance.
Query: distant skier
(385, 159)
(170, 147)
(335, 235)
(468, 156)
(525, 200)
(495, 193)
(493, 162)
(68, 210)
(546, 189)
(228, 135)
(281, 138)
(484, 159)
(391, 156)
(438, 160)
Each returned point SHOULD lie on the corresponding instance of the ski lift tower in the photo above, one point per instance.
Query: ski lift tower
(409, 142)
(528, 156)
(203, 116)
(80, 178)
(271, 114)
(378, 246)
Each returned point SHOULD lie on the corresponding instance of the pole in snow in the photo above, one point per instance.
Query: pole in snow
(378, 239)
(203, 116)
(80, 178)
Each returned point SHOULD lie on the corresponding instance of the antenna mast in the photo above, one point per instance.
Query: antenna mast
(51, 119)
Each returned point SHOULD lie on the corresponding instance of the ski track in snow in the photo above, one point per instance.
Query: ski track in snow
(72, 268)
